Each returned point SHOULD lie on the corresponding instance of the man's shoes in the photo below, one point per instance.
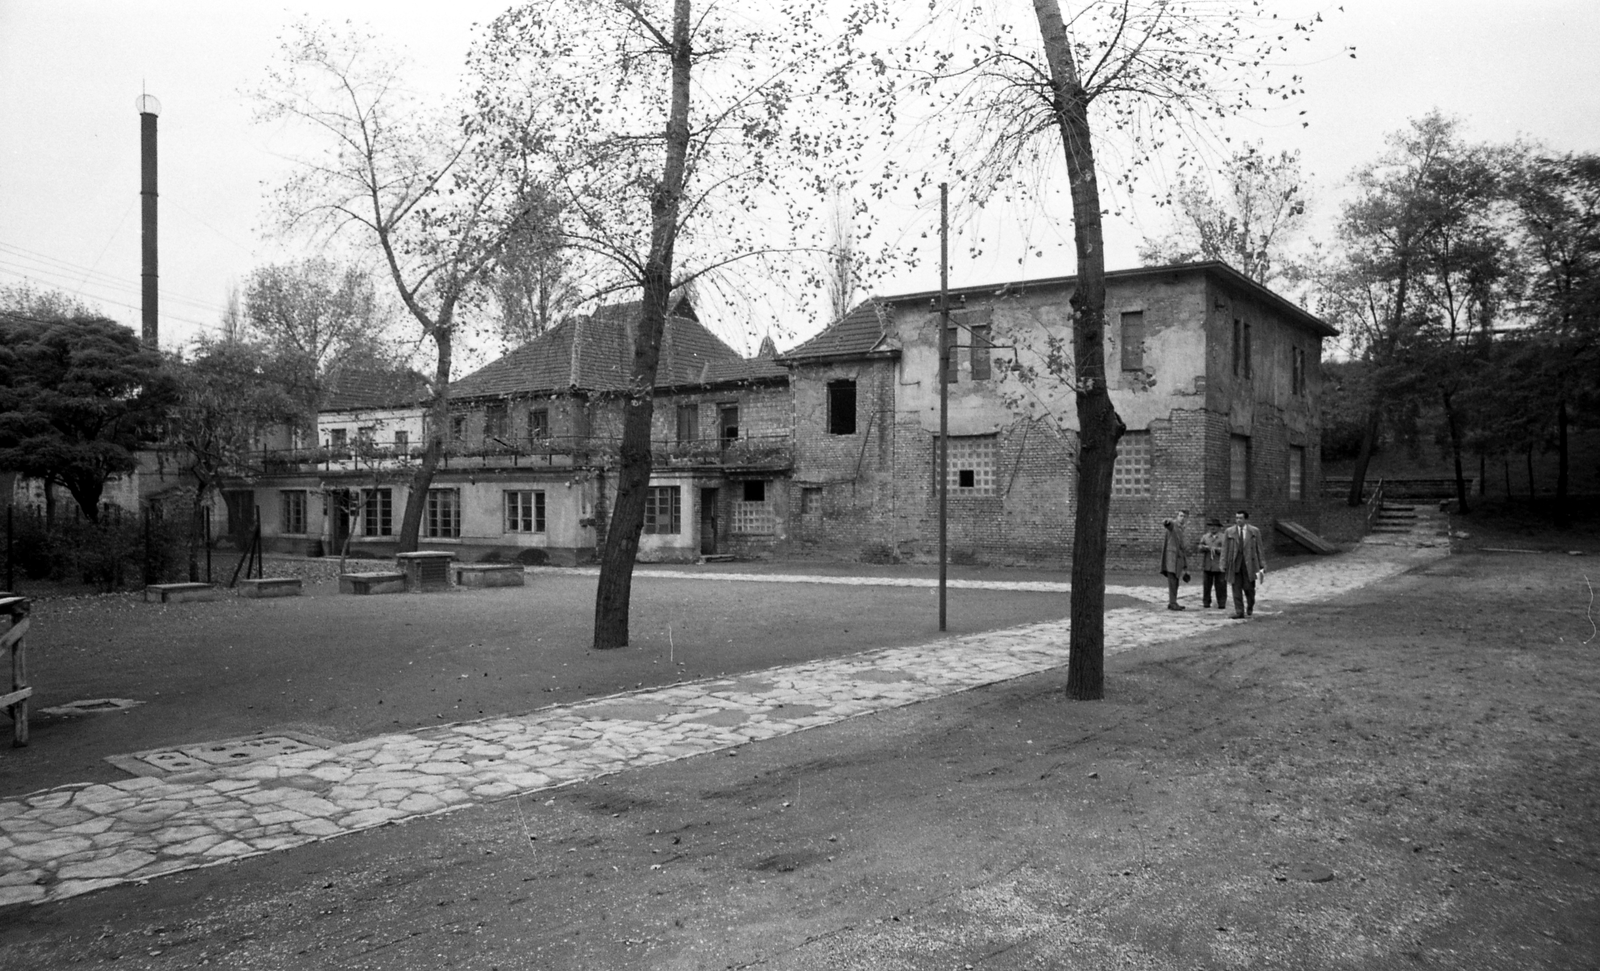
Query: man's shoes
(1176, 607)
(1251, 612)
(1206, 604)
(1238, 616)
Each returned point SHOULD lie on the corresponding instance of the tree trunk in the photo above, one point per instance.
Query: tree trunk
(436, 426)
(1358, 475)
(1453, 422)
(1561, 518)
(1099, 425)
(615, 589)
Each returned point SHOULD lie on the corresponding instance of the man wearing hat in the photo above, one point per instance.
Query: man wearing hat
(1211, 564)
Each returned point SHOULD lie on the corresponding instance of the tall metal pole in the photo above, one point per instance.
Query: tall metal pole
(149, 108)
(944, 388)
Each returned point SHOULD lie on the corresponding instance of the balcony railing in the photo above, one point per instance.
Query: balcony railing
(766, 452)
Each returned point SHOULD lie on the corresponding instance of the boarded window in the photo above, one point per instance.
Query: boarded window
(1239, 467)
(661, 515)
(1133, 341)
(293, 511)
(979, 338)
(1297, 472)
(442, 515)
(841, 407)
(972, 464)
(811, 501)
(524, 511)
(688, 423)
(1130, 474)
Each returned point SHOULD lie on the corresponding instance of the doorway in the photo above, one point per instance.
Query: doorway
(708, 522)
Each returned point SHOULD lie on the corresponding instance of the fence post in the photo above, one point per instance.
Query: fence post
(208, 543)
(11, 534)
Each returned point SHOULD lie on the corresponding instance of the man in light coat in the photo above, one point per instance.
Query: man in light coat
(1243, 562)
(1174, 556)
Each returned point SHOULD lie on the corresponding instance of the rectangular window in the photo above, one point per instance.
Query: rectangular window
(494, 420)
(661, 511)
(979, 339)
(1247, 355)
(972, 464)
(688, 423)
(1239, 467)
(377, 512)
(1130, 473)
(336, 437)
(753, 514)
(442, 515)
(1297, 472)
(1238, 344)
(458, 428)
(367, 435)
(841, 407)
(1133, 340)
(811, 501)
(1298, 377)
(293, 516)
(524, 511)
(538, 424)
(402, 441)
(954, 335)
(728, 422)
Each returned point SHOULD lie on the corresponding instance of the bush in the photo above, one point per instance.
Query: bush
(109, 555)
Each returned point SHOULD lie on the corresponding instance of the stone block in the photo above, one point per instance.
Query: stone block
(365, 583)
(270, 587)
(489, 575)
(180, 592)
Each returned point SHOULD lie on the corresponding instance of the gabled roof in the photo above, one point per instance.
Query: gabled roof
(595, 353)
(861, 331)
(361, 389)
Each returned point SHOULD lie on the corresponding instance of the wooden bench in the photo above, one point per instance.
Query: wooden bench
(488, 575)
(172, 593)
(387, 581)
(15, 701)
(270, 587)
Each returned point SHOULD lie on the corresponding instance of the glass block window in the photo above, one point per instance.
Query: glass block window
(442, 516)
(811, 501)
(661, 514)
(1297, 472)
(293, 515)
(1130, 474)
(972, 464)
(524, 511)
(753, 514)
(377, 512)
(1239, 467)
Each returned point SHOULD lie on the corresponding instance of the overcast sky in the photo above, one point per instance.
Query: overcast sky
(69, 156)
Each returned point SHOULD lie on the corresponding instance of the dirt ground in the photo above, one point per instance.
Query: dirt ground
(1406, 777)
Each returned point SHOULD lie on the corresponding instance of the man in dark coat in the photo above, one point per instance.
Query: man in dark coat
(1244, 563)
(1211, 562)
(1174, 556)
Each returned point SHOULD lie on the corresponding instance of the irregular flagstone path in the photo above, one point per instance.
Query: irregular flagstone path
(73, 839)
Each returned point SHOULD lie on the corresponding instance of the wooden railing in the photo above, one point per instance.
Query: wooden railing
(772, 452)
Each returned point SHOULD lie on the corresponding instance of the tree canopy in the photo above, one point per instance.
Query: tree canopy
(78, 396)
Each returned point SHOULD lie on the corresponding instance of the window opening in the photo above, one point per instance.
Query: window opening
(661, 510)
(443, 513)
(841, 407)
(524, 511)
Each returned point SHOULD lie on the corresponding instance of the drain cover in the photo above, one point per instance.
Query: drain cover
(90, 706)
(211, 755)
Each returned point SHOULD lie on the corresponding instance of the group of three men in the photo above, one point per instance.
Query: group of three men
(1230, 557)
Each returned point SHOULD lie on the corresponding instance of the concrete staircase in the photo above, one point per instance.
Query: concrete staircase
(1410, 524)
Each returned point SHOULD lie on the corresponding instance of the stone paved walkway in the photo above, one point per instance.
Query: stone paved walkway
(73, 839)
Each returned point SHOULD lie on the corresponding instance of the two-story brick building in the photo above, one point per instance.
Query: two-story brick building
(1216, 378)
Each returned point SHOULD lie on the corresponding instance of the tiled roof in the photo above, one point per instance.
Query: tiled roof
(595, 353)
(857, 332)
(354, 389)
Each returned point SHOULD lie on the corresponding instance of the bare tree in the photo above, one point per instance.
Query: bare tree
(1145, 71)
(1249, 223)
(683, 141)
(417, 184)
